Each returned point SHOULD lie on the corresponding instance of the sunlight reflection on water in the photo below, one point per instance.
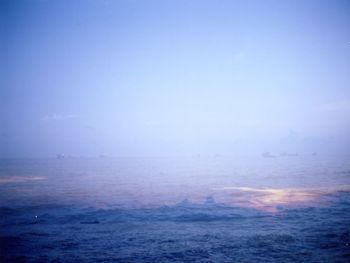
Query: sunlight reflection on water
(226, 206)
(270, 199)
(20, 179)
(261, 184)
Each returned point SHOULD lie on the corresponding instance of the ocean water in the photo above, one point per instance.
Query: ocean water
(175, 209)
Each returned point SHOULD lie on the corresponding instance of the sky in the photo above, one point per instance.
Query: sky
(154, 78)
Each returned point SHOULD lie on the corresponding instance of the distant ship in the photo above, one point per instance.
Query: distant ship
(267, 155)
(60, 156)
(284, 154)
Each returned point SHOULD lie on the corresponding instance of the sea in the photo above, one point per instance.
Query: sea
(176, 209)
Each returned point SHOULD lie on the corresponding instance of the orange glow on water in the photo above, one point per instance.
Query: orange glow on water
(20, 179)
(270, 199)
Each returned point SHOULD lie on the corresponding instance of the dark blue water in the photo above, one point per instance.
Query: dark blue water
(146, 210)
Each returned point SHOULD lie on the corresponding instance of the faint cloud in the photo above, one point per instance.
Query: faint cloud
(4, 135)
(239, 56)
(57, 117)
(338, 106)
(152, 123)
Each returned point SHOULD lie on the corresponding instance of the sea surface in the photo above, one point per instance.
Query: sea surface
(175, 209)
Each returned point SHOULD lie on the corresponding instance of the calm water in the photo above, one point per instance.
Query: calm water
(207, 209)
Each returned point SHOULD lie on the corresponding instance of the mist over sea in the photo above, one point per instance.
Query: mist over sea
(176, 209)
(234, 115)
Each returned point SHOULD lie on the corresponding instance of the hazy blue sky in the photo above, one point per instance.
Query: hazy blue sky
(174, 77)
